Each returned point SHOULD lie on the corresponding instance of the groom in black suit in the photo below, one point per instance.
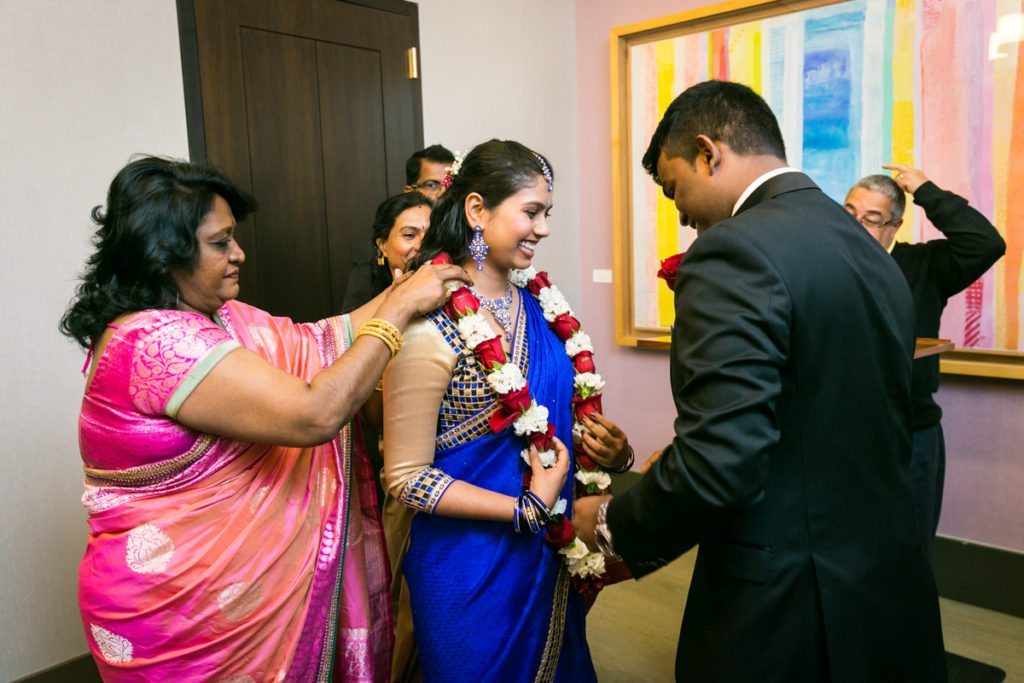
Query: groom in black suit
(791, 361)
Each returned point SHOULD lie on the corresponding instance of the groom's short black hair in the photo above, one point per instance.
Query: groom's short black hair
(722, 110)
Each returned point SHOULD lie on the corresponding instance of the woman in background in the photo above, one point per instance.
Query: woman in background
(232, 526)
(399, 225)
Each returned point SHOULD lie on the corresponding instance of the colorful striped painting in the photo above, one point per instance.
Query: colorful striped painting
(928, 83)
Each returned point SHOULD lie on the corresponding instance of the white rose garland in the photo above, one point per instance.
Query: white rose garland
(506, 378)
(475, 329)
(535, 419)
(553, 303)
(578, 343)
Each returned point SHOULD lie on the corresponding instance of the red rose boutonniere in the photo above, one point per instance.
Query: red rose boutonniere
(670, 269)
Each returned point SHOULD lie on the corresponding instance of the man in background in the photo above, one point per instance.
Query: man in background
(425, 170)
(935, 271)
(790, 368)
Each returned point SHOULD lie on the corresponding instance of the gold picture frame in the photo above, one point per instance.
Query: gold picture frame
(633, 321)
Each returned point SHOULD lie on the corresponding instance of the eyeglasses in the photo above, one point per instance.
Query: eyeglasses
(428, 185)
(868, 222)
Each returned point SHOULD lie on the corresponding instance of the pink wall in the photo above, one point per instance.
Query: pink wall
(984, 421)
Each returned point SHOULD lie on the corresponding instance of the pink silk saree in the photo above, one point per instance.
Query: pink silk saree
(227, 561)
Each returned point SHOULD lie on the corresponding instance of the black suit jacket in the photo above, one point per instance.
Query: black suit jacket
(791, 363)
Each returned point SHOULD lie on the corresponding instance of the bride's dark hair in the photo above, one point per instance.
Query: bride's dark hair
(495, 170)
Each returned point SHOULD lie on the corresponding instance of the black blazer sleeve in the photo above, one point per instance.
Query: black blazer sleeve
(730, 345)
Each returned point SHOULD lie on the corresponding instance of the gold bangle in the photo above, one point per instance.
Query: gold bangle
(389, 331)
(385, 328)
(374, 332)
(384, 331)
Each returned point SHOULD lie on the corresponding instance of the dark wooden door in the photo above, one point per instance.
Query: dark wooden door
(310, 105)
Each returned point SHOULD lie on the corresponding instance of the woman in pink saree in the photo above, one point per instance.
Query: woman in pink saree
(213, 554)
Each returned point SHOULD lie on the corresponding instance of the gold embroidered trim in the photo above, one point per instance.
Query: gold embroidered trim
(424, 491)
(150, 474)
(556, 628)
(470, 384)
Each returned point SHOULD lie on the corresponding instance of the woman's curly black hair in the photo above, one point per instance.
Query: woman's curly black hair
(147, 232)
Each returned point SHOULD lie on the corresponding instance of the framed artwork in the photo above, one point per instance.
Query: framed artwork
(854, 84)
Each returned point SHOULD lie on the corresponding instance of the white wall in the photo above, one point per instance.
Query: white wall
(496, 69)
(83, 85)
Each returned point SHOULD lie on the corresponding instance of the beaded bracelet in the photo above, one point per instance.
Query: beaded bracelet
(384, 331)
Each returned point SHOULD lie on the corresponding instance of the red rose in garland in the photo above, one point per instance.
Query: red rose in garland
(584, 362)
(586, 406)
(585, 461)
(539, 282)
(670, 269)
(560, 533)
(441, 259)
(461, 303)
(565, 326)
(510, 407)
(490, 353)
(542, 440)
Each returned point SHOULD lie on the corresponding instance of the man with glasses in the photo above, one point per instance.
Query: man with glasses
(425, 170)
(935, 271)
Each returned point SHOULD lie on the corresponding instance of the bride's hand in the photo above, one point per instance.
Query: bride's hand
(548, 482)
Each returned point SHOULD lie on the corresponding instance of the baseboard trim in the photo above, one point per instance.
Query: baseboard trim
(973, 573)
(81, 669)
(979, 575)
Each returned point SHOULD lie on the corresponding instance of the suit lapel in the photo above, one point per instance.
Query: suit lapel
(773, 187)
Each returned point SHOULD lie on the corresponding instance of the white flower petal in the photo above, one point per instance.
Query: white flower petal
(475, 329)
(535, 419)
(548, 458)
(577, 343)
(520, 278)
(507, 378)
(553, 303)
(590, 381)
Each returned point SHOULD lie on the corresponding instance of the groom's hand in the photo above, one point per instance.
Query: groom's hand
(603, 441)
(584, 518)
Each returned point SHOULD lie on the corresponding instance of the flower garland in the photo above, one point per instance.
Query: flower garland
(518, 409)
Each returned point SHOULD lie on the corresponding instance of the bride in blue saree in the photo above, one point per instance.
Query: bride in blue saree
(488, 603)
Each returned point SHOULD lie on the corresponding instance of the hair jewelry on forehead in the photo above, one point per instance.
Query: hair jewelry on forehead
(545, 171)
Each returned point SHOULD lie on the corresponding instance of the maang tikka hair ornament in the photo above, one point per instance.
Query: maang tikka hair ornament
(545, 171)
(478, 247)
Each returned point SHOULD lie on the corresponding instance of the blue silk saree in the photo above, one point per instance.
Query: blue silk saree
(489, 604)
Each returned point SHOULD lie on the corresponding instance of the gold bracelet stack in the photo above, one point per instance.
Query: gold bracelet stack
(384, 331)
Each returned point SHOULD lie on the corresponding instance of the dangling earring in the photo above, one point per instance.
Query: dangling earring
(478, 247)
(380, 257)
